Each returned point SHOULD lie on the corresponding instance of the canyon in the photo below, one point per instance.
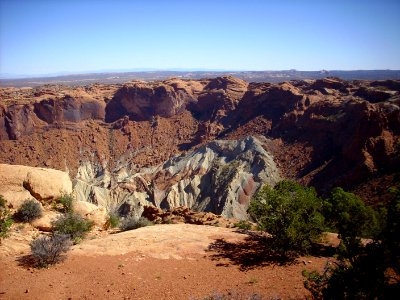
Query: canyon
(206, 144)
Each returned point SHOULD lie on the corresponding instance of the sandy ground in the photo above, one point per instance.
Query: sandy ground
(179, 261)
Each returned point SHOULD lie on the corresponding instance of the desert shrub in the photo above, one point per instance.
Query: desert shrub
(5, 219)
(132, 222)
(73, 225)
(66, 201)
(291, 213)
(113, 220)
(48, 250)
(353, 220)
(29, 211)
(245, 225)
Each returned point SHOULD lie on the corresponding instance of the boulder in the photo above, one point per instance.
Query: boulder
(19, 183)
(45, 222)
(91, 212)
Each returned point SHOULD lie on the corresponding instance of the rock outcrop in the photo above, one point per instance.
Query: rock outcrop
(219, 177)
(45, 223)
(185, 215)
(92, 212)
(69, 109)
(19, 183)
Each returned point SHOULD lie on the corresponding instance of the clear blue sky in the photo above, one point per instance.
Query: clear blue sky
(43, 36)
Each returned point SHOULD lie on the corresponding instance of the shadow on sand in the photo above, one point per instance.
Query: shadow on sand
(255, 252)
(26, 261)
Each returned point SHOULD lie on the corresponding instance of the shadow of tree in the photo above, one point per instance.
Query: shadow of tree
(256, 252)
(251, 253)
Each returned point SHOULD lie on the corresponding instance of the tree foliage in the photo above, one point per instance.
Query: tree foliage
(365, 272)
(353, 220)
(291, 213)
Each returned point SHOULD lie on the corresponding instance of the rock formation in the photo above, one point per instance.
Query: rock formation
(144, 143)
(219, 177)
(19, 183)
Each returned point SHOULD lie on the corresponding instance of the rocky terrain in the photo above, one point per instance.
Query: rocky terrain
(206, 144)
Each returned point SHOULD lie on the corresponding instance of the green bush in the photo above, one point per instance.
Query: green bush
(132, 222)
(73, 225)
(113, 220)
(29, 211)
(348, 214)
(291, 213)
(66, 201)
(5, 219)
(48, 250)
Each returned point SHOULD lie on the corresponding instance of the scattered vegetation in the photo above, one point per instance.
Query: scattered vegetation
(291, 213)
(29, 211)
(48, 250)
(132, 222)
(5, 219)
(295, 217)
(66, 201)
(232, 295)
(74, 226)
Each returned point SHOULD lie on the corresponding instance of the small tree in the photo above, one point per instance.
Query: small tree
(373, 271)
(5, 219)
(291, 213)
(29, 211)
(352, 218)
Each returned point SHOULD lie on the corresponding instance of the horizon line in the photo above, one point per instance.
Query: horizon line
(6, 76)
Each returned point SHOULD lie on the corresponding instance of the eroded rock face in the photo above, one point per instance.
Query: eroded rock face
(17, 121)
(19, 183)
(141, 101)
(69, 109)
(219, 177)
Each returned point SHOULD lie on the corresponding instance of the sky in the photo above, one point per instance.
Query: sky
(46, 36)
